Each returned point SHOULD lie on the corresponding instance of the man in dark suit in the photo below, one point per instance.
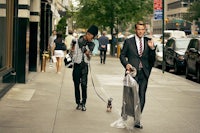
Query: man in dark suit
(103, 42)
(139, 52)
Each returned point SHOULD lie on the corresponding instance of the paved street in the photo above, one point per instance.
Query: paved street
(45, 104)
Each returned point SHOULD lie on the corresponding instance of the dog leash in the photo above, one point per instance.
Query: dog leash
(109, 101)
(94, 85)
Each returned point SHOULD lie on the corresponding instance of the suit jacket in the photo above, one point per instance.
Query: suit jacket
(103, 41)
(129, 55)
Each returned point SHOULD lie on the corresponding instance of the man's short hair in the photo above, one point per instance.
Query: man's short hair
(140, 23)
(54, 31)
(70, 32)
(104, 33)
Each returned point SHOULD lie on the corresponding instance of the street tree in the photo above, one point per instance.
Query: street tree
(62, 25)
(112, 14)
(193, 11)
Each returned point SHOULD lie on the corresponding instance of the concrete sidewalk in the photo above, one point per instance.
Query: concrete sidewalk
(46, 104)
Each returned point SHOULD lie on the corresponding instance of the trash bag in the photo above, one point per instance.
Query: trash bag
(130, 103)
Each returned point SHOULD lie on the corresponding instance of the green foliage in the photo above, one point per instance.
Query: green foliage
(62, 25)
(193, 12)
(107, 13)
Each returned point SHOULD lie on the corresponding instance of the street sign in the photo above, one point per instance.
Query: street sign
(158, 14)
(158, 9)
(157, 4)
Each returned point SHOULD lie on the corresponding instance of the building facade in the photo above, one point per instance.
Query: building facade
(174, 12)
(25, 28)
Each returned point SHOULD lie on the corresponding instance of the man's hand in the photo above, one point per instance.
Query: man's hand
(129, 67)
(151, 44)
(87, 53)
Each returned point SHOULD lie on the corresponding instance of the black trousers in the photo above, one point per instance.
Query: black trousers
(103, 56)
(80, 77)
(142, 80)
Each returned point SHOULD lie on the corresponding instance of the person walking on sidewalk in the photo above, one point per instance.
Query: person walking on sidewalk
(96, 47)
(68, 40)
(59, 48)
(103, 42)
(81, 57)
(139, 52)
(50, 46)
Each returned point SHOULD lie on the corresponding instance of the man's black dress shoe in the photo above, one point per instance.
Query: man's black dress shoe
(83, 107)
(138, 126)
(79, 107)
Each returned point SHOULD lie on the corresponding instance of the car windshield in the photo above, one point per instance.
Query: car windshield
(167, 35)
(182, 44)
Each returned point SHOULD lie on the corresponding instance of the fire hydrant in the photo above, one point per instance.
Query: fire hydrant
(45, 56)
(118, 50)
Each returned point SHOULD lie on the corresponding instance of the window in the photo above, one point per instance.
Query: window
(198, 45)
(3, 27)
(6, 26)
(170, 43)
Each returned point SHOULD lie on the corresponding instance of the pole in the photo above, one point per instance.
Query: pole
(163, 38)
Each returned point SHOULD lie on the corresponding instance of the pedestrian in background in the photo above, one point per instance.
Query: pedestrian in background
(50, 46)
(103, 42)
(59, 51)
(96, 42)
(113, 44)
(68, 40)
(139, 52)
(82, 55)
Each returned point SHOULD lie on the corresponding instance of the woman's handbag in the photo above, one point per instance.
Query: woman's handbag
(53, 59)
(68, 61)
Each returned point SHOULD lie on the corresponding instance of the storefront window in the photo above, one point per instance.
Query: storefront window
(6, 34)
(6, 45)
(3, 27)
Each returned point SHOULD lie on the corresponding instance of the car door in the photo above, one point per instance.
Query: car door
(187, 55)
(169, 52)
(192, 55)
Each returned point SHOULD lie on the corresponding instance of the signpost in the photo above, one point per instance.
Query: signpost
(159, 15)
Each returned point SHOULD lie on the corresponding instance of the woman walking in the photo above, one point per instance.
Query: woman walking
(59, 48)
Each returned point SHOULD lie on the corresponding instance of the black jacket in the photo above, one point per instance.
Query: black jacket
(129, 55)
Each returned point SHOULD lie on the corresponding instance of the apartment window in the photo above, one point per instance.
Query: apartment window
(174, 5)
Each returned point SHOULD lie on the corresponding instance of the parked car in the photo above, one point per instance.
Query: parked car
(192, 57)
(159, 54)
(173, 34)
(174, 54)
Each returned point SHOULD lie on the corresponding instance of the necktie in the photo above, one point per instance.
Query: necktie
(140, 50)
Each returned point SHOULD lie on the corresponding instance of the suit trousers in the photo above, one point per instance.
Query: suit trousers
(80, 77)
(103, 56)
(142, 80)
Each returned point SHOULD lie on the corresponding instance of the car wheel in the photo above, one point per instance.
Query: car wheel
(198, 75)
(156, 64)
(186, 72)
(176, 68)
(166, 68)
